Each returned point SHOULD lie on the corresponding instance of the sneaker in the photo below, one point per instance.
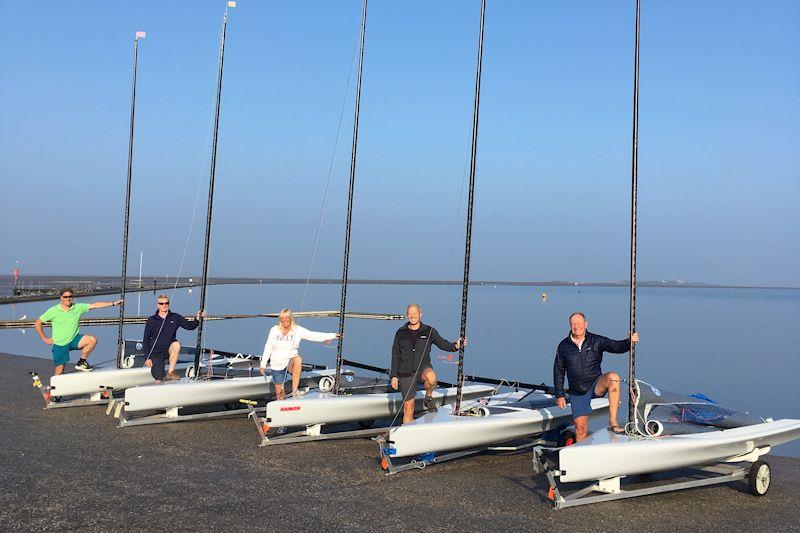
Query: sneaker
(172, 376)
(430, 405)
(84, 366)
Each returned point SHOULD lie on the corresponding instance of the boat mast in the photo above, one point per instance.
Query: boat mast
(204, 283)
(470, 201)
(124, 276)
(634, 184)
(353, 153)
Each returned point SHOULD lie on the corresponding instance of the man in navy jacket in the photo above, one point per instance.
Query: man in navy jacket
(160, 341)
(579, 356)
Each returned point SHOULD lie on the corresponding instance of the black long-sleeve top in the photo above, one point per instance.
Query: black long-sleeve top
(582, 365)
(411, 350)
(157, 338)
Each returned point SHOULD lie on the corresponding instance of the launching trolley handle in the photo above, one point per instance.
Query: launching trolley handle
(45, 391)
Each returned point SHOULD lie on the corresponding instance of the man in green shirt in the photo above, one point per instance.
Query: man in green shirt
(64, 318)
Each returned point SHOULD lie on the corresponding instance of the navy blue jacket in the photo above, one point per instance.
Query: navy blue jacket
(157, 338)
(582, 366)
(409, 357)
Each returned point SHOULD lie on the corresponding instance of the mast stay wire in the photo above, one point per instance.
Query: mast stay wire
(192, 219)
(328, 178)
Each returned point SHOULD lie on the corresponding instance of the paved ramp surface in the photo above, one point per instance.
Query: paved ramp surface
(67, 469)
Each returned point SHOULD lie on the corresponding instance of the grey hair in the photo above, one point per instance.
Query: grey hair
(409, 306)
(577, 313)
(162, 296)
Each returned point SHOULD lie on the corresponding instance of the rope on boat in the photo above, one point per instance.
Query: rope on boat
(470, 204)
(353, 157)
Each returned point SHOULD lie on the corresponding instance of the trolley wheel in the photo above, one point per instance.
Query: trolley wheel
(759, 477)
(366, 424)
(128, 361)
(567, 438)
(230, 406)
(190, 371)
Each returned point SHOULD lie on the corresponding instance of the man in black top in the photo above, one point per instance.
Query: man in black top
(160, 341)
(579, 356)
(411, 360)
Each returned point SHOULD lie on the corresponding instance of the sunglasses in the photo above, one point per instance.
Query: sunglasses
(66, 297)
(163, 303)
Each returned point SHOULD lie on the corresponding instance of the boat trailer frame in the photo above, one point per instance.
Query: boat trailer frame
(610, 489)
(396, 465)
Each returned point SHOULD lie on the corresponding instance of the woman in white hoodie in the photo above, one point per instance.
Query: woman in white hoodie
(281, 350)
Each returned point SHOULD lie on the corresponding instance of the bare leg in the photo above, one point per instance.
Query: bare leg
(429, 380)
(279, 392)
(408, 411)
(59, 370)
(296, 368)
(86, 345)
(174, 352)
(581, 427)
(609, 382)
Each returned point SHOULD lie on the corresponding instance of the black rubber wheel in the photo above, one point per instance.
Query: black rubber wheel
(230, 406)
(567, 438)
(759, 477)
(366, 424)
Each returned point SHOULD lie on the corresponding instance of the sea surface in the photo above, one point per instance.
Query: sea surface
(736, 346)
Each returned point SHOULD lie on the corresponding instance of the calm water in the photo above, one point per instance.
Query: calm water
(736, 346)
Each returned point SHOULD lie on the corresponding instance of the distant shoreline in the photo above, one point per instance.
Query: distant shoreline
(110, 284)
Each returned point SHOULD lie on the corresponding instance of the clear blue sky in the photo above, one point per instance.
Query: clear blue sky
(719, 136)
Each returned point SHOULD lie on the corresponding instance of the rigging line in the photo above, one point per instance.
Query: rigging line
(207, 242)
(124, 276)
(470, 205)
(353, 158)
(634, 191)
(328, 178)
(191, 226)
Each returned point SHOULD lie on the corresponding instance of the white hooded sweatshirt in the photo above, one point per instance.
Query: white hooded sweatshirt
(279, 348)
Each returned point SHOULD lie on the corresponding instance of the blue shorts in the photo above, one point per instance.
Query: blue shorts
(278, 376)
(61, 353)
(582, 403)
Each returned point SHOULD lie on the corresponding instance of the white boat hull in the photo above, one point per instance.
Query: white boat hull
(444, 431)
(85, 383)
(188, 393)
(327, 408)
(604, 455)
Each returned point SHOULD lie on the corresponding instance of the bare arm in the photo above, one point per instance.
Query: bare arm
(38, 325)
(100, 305)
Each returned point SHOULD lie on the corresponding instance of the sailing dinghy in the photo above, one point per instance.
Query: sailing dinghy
(520, 418)
(671, 432)
(76, 389)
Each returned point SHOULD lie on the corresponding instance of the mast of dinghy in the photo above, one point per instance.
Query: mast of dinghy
(124, 276)
(207, 241)
(634, 184)
(470, 202)
(353, 154)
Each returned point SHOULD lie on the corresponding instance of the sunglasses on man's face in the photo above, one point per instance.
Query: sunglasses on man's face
(66, 296)
(163, 303)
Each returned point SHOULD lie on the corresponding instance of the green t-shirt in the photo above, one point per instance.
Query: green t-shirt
(64, 323)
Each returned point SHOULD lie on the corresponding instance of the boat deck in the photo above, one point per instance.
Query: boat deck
(73, 469)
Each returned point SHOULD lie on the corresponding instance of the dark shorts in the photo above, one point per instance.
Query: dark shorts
(61, 353)
(159, 359)
(408, 384)
(582, 403)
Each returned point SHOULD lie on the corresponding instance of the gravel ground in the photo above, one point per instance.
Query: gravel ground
(73, 469)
